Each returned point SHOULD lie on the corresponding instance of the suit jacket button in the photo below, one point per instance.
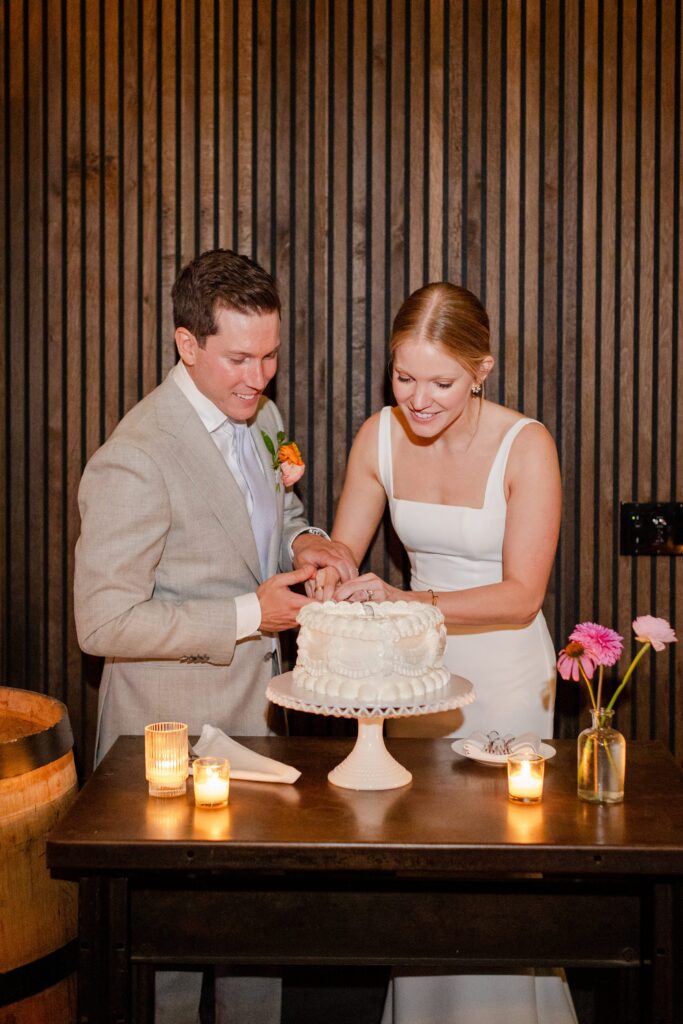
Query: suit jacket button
(269, 656)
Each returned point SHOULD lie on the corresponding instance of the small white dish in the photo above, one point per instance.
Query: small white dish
(481, 757)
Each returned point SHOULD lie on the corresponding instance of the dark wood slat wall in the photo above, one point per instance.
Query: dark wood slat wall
(357, 148)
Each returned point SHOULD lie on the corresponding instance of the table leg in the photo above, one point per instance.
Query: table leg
(143, 994)
(118, 965)
(104, 954)
(92, 933)
(663, 974)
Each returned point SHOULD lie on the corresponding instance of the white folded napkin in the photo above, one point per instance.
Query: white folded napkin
(244, 763)
(475, 745)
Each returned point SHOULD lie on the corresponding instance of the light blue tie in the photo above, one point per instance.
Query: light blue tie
(261, 489)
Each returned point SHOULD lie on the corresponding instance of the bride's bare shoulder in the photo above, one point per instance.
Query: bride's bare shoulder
(365, 442)
(498, 419)
(369, 429)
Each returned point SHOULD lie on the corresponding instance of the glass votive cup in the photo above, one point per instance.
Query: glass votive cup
(166, 758)
(211, 781)
(525, 778)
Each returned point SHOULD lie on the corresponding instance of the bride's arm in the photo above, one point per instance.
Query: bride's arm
(532, 524)
(360, 508)
(363, 497)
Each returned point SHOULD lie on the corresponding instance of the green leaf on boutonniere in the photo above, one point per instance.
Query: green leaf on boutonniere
(281, 436)
(268, 442)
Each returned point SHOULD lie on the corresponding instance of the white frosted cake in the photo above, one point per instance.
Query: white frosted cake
(372, 652)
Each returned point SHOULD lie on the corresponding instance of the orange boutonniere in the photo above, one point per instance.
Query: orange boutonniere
(286, 458)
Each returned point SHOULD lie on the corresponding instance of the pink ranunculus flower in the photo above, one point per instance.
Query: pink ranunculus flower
(568, 662)
(658, 632)
(291, 473)
(603, 644)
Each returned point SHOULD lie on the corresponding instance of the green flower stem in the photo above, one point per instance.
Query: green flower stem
(588, 683)
(591, 751)
(598, 701)
(629, 672)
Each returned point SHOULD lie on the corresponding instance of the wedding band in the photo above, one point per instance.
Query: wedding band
(369, 593)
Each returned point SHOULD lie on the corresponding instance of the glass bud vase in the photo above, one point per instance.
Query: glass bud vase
(601, 755)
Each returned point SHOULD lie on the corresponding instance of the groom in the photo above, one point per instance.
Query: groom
(188, 532)
(184, 567)
(189, 536)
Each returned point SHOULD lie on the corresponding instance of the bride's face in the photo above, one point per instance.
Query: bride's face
(431, 387)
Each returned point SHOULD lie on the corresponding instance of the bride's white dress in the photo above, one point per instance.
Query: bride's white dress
(513, 671)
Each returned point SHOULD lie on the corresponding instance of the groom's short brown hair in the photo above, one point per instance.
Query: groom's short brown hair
(220, 279)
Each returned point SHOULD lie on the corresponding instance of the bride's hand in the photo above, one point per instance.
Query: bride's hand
(368, 587)
(321, 586)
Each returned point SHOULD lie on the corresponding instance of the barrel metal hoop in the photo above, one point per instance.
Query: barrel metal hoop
(32, 978)
(27, 753)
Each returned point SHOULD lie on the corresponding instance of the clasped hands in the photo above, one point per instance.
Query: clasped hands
(327, 585)
(328, 571)
(336, 576)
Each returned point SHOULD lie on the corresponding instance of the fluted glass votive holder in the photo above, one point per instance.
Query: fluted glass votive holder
(211, 781)
(166, 758)
(525, 778)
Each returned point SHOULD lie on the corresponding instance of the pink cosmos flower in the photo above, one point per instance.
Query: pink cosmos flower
(658, 632)
(568, 662)
(291, 473)
(602, 644)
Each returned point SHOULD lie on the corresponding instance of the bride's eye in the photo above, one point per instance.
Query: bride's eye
(402, 380)
(444, 384)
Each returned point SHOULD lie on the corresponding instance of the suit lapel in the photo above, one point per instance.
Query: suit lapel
(201, 460)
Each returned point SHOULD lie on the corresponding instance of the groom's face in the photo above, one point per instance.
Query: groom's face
(235, 364)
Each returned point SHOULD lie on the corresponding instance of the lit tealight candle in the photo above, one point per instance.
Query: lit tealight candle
(166, 760)
(525, 778)
(211, 781)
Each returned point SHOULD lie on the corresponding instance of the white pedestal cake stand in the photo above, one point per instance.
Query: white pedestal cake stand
(369, 765)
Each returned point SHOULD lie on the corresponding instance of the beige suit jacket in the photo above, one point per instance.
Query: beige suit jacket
(165, 546)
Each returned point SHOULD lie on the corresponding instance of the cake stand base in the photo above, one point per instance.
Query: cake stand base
(370, 765)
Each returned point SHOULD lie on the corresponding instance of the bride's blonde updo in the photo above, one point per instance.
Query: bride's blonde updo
(445, 314)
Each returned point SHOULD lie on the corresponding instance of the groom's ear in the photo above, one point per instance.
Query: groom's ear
(187, 345)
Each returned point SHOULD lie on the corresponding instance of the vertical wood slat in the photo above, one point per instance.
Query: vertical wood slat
(56, 577)
(35, 396)
(356, 149)
(74, 319)
(15, 480)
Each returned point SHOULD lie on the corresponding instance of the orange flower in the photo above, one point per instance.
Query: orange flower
(287, 461)
(290, 453)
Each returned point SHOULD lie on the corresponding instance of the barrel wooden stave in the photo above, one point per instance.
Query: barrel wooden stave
(38, 914)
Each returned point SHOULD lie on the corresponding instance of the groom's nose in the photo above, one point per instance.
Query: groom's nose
(256, 377)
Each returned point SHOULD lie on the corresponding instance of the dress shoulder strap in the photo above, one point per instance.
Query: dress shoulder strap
(495, 483)
(384, 460)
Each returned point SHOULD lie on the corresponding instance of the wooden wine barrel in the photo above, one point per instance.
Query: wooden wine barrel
(38, 914)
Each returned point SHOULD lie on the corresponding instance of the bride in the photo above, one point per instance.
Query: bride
(474, 494)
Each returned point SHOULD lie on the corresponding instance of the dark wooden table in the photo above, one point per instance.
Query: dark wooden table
(443, 873)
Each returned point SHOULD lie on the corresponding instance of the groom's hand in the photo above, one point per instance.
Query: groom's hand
(280, 605)
(311, 549)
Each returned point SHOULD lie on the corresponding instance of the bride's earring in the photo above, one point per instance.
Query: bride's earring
(476, 390)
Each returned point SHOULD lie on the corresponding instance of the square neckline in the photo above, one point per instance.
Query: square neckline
(386, 421)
